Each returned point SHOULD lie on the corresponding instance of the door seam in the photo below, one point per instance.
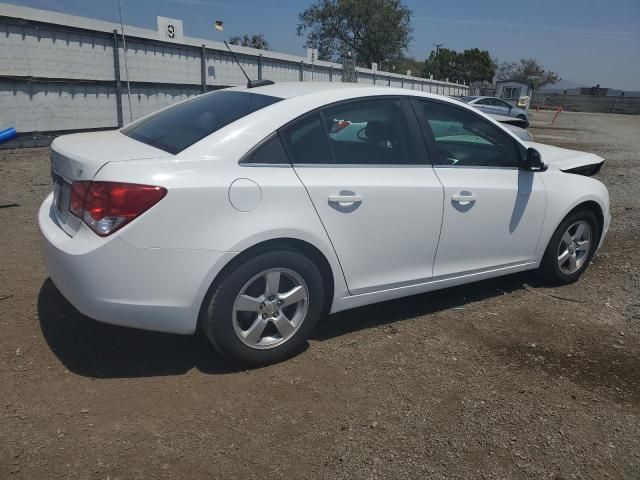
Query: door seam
(435, 257)
(325, 231)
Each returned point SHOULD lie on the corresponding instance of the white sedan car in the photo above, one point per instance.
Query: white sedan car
(247, 214)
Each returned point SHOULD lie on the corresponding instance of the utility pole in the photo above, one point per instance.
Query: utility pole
(126, 69)
(438, 45)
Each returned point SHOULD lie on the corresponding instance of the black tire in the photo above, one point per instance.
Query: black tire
(549, 269)
(216, 317)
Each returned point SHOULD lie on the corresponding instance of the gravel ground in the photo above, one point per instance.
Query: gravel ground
(502, 379)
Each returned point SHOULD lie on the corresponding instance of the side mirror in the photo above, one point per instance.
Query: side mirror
(534, 162)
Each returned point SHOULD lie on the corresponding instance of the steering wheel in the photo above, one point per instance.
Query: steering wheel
(448, 157)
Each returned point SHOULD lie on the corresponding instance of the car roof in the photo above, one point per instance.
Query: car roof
(299, 98)
(295, 89)
(287, 90)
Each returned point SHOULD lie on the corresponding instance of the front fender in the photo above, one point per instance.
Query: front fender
(565, 192)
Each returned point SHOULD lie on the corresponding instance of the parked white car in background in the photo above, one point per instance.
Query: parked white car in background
(246, 213)
(497, 106)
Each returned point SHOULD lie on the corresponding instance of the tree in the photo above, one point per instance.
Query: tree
(254, 41)
(401, 64)
(528, 67)
(506, 70)
(475, 65)
(471, 65)
(442, 64)
(372, 30)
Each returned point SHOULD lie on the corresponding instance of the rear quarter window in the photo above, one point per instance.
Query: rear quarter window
(182, 125)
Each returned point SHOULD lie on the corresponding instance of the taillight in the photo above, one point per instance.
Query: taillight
(108, 206)
(76, 199)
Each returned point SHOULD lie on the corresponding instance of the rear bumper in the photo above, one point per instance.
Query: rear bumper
(115, 282)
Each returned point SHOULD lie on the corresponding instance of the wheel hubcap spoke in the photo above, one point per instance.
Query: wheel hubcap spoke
(284, 326)
(562, 259)
(254, 333)
(583, 246)
(294, 295)
(245, 303)
(272, 279)
(573, 260)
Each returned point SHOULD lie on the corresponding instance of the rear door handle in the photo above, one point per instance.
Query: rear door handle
(345, 199)
(466, 198)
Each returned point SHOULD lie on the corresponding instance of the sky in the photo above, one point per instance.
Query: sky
(585, 41)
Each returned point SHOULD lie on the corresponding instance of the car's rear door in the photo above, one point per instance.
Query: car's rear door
(484, 105)
(366, 169)
(493, 210)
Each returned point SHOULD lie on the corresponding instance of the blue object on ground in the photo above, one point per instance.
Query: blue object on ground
(7, 134)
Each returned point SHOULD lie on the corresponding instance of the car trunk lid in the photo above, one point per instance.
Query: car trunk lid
(80, 156)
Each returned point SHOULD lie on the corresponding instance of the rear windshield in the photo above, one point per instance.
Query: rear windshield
(179, 127)
(467, 99)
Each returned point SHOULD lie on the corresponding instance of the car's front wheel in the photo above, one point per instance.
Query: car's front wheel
(265, 308)
(571, 248)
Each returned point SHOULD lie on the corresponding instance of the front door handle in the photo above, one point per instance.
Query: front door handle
(345, 199)
(464, 198)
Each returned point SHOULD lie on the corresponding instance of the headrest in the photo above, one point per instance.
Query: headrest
(377, 131)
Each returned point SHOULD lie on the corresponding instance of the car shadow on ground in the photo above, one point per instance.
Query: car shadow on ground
(93, 349)
(406, 308)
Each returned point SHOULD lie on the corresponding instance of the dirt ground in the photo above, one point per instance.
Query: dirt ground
(502, 379)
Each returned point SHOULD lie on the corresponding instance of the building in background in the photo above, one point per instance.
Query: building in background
(512, 90)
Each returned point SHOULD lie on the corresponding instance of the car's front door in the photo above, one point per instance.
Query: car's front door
(503, 108)
(368, 175)
(493, 210)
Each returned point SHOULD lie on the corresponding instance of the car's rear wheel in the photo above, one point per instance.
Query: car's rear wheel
(571, 248)
(265, 308)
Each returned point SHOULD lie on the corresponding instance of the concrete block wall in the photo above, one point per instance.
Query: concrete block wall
(43, 107)
(58, 72)
(587, 103)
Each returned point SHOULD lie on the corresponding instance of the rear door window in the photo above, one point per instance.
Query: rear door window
(306, 141)
(370, 132)
(182, 125)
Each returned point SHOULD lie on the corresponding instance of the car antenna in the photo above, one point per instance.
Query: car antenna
(250, 83)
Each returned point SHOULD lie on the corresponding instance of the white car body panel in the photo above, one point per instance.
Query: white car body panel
(501, 227)
(154, 273)
(399, 216)
(563, 158)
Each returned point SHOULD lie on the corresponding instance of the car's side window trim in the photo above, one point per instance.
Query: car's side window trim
(428, 137)
(417, 147)
(431, 142)
(302, 118)
(245, 160)
(323, 121)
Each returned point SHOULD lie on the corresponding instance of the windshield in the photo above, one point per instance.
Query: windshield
(179, 127)
(467, 99)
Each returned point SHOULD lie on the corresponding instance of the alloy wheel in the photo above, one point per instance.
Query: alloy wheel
(574, 247)
(270, 308)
